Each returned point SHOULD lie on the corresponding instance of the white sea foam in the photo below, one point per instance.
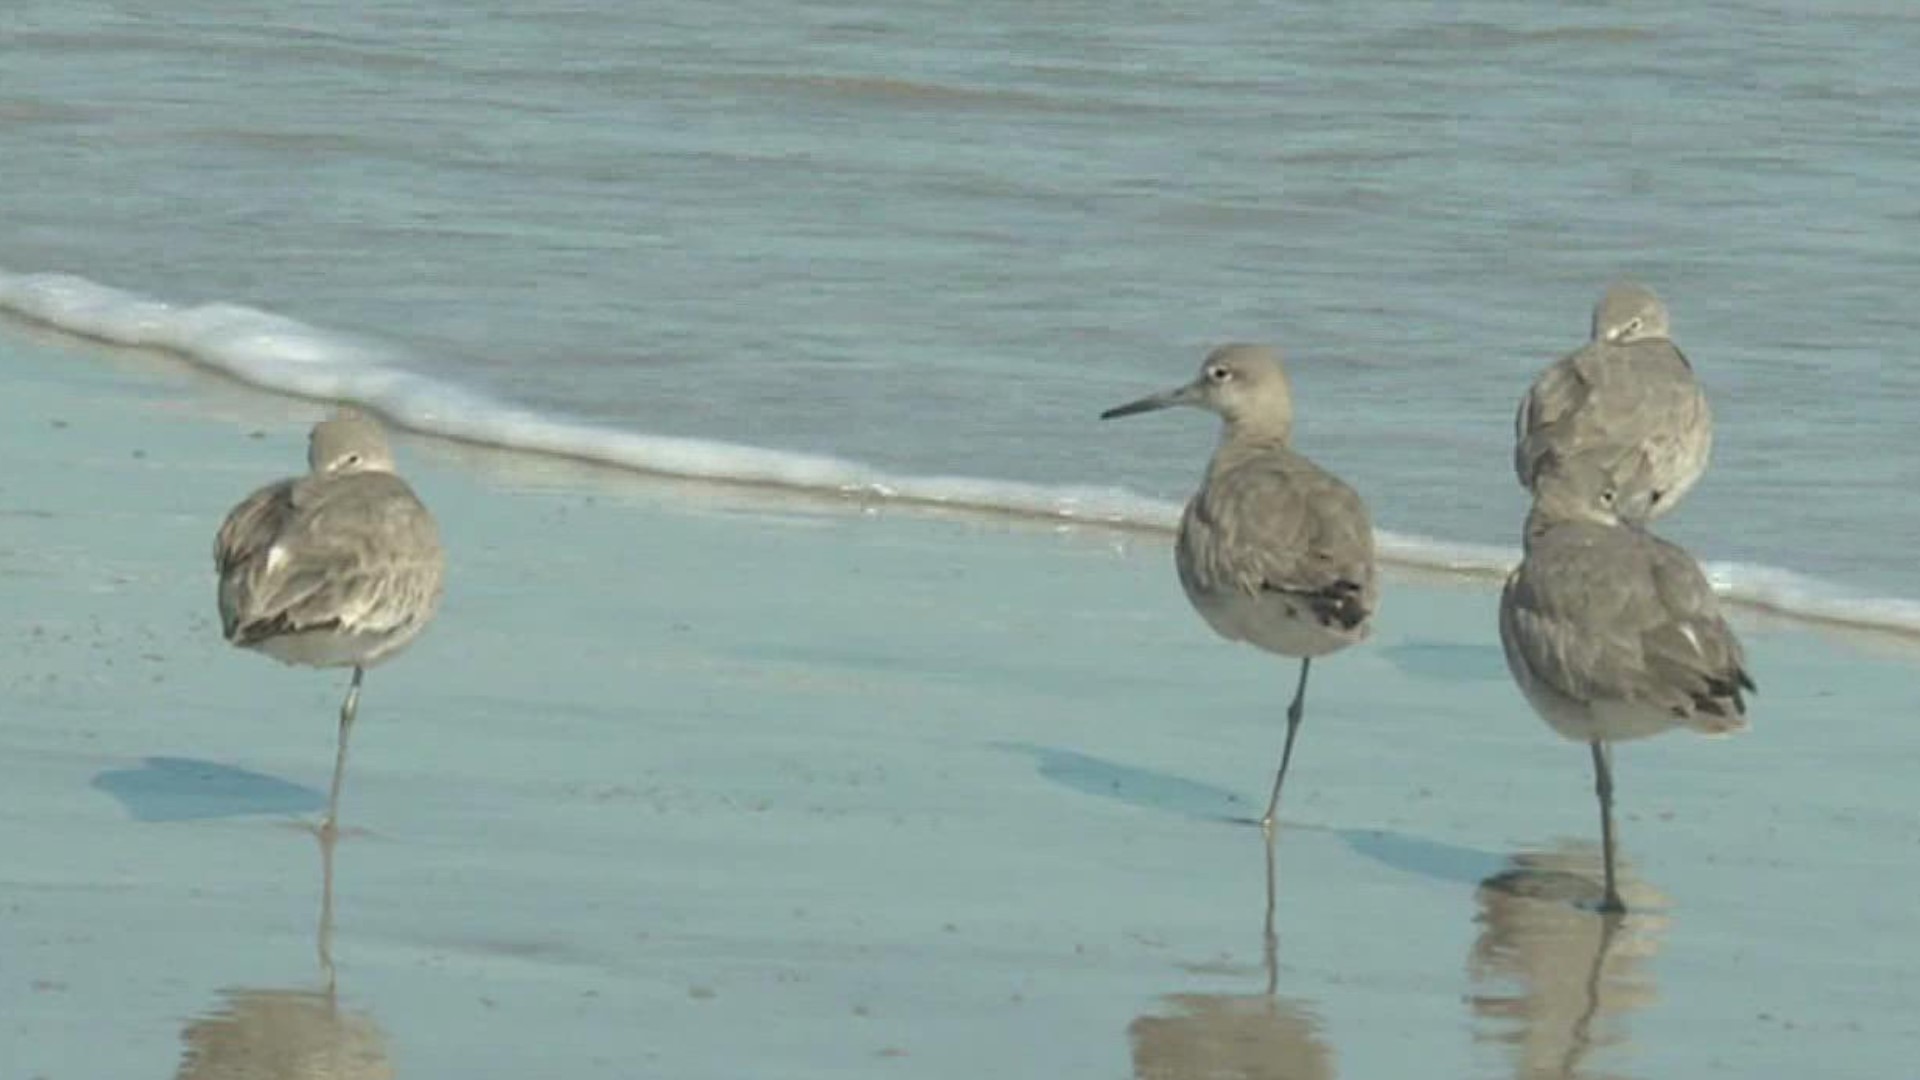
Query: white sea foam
(281, 354)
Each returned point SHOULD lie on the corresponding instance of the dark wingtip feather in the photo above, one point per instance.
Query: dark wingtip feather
(249, 634)
(1340, 604)
(1724, 690)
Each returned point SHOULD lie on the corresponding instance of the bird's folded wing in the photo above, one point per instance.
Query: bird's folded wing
(1283, 527)
(1601, 623)
(361, 555)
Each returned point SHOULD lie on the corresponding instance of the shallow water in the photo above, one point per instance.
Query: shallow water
(937, 238)
(954, 796)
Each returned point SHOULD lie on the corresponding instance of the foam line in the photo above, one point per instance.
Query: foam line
(280, 354)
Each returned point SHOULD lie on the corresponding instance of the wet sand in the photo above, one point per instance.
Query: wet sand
(692, 782)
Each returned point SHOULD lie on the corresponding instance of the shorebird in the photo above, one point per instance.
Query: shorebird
(340, 567)
(1613, 633)
(1627, 400)
(1273, 550)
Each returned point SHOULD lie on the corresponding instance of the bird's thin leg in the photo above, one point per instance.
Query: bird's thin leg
(347, 711)
(1294, 712)
(1603, 787)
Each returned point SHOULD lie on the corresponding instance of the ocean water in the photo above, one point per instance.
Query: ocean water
(913, 249)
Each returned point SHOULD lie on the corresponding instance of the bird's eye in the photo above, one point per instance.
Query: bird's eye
(1219, 373)
(1606, 496)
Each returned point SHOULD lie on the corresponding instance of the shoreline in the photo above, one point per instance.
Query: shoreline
(1463, 571)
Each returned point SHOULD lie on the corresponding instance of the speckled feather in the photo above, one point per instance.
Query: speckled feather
(1628, 401)
(1612, 615)
(354, 556)
(1268, 520)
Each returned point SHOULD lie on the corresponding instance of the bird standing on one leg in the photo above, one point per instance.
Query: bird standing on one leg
(340, 567)
(1613, 633)
(1273, 550)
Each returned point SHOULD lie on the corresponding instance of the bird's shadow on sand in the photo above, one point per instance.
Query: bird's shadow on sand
(1169, 794)
(1134, 786)
(185, 789)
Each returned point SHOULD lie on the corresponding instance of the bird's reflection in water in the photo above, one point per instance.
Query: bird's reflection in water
(292, 1034)
(1552, 973)
(1248, 1036)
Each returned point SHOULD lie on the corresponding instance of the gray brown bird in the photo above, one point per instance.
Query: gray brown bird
(1628, 400)
(1613, 633)
(1273, 550)
(340, 567)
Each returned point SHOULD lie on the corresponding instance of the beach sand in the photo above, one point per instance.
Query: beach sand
(693, 782)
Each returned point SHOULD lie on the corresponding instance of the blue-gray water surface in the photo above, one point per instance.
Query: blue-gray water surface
(940, 237)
